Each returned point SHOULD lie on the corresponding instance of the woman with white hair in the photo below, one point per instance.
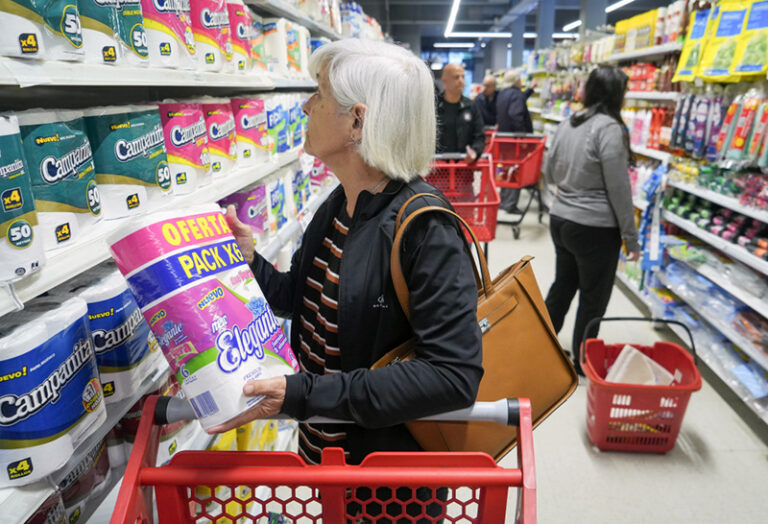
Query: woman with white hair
(372, 122)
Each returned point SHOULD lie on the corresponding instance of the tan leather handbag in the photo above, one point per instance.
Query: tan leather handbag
(522, 356)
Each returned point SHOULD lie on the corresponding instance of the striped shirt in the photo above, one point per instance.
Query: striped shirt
(318, 332)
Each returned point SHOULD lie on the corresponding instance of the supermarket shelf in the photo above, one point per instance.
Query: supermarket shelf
(282, 9)
(671, 96)
(535, 110)
(27, 73)
(553, 117)
(652, 153)
(293, 83)
(621, 277)
(732, 250)
(722, 200)
(115, 477)
(65, 263)
(648, 53)
(746, 345)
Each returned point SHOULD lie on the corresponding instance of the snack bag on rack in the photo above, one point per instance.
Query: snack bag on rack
(742, 128)
(720, 53)
(752, 49)
(729, 125)
(694, 46)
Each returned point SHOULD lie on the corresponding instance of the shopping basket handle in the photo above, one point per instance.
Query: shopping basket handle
(456, 156)
(505, 411)
(519, 135)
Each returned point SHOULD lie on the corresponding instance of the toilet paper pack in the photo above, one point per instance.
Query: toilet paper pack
(60, 161)
(113, 32)
(129, 156)
(295, 129)
(170, 41)
(21, 247)
(48, 30)
(210, 27)
(253, 144)
(87, 481)
(240, 26)
(251, 206)
(277, 126)
(278, 211)
(222, 137)
(258, 54)
(50, 396)
(275, 32)
(204, 307)
(186, 143)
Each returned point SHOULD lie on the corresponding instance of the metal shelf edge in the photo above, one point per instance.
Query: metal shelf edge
(725, 201)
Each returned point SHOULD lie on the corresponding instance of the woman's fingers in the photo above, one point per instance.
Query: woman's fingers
(235, 224)
(242, 233)
(273, 392)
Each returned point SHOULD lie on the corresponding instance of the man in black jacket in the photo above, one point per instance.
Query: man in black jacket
(486, 101)
(459, 122)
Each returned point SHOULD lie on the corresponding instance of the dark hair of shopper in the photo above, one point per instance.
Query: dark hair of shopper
(604, 93)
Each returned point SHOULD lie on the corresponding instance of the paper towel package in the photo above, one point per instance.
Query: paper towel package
(170, 41)
(251, 130)
(258, 55)
(48, 30)
(50, 394)
(186, 143)
(63, 177)
(204, 306)
(113, 32)
(304, 50)
(275, 32)
(222, 137)
(21, 247)
(293, 44)
(240, 25)
(129, 155)
(277, 127)
(210, 26)
(251, 207)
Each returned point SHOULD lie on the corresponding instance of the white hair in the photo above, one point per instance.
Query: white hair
(399, 128)
(511, 78)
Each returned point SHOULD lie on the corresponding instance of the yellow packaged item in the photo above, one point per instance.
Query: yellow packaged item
(645, 29)
(694, 46)
(247, 437)
(225, 442)
(720, 52)
(752, 49)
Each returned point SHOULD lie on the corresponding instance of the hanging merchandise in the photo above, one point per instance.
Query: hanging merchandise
(253, 144)
(46, 29)
(251, 206)
(170, 40)
(186, 141)
(694, 46)
(752, 50)
(51, 395)
(258, 54)
(719, 54)
(59, 154)
(129, 155)
(113, 32)
(210, 26)
(222, 138)
(21, 247)
(240, 24)
(205, 308)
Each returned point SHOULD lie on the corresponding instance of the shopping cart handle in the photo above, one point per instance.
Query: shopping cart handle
(505, 411)
(456, 156)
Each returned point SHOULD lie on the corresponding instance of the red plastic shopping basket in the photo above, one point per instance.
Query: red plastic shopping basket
(517, 158)
(223, 486)
(628, 417)
(470, 190)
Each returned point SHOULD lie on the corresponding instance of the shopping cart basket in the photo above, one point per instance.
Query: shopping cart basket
(234, 487)
(471, 191)
(628, 417)
(489, 132)
(517, 159)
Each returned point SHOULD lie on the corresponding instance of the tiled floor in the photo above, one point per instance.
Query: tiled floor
(717, 472)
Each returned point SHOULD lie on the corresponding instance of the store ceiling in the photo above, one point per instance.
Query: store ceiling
(430, 16)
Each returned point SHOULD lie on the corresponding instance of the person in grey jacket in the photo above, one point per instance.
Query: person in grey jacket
(592, 213)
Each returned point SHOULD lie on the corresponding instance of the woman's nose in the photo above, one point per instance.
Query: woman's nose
(307, 107)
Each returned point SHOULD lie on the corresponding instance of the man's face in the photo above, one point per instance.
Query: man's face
(489, 87)
(453, 80)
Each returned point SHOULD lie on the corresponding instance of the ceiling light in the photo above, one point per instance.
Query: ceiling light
(509, 46)
(482, 44)
(436, 66)
(617, 5)
(565, 35)
(466, 45)
(452, 18)
(477, 35)
(529, 35)
(572, 25)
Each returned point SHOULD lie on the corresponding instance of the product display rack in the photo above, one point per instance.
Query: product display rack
(553, 117)
(648, 53)
(282, 9)
(721, 200)
(655, 154)
(660, 96)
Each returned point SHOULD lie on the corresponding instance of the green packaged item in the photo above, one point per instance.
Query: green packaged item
(752, 50)
(49, 29)
(693, 48)
(719, 55)
(114, 31)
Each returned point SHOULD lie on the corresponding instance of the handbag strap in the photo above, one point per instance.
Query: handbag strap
(396, 269)
(399, 218)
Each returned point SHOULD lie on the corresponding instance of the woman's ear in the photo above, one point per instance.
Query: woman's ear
(358, 113)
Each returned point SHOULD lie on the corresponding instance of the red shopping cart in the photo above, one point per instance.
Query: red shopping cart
(517, 159)
(223, 486)
(471, 191)
(628, 417)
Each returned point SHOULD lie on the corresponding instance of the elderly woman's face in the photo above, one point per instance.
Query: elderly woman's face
(329, 128)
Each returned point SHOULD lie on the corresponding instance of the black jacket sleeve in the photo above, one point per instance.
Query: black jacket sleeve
(483, 104)
(447, 371)
(478, 131)
(278, 287)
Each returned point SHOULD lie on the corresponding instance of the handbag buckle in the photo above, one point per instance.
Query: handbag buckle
(485, 325)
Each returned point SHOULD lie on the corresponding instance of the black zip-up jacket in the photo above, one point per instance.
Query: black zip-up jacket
(469, 127)
(512, 113)
(443, 294)
(487, 107)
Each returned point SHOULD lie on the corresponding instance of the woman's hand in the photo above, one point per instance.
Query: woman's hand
(633, 256)
(471, 155)
(273, 391)
(243, 234)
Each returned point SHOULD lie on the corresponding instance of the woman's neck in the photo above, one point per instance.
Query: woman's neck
(355, 177)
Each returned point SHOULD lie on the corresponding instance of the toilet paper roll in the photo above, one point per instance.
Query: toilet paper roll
(258, 54)
(86, 481)
(49, 30)
(299, 185)
(50, 394)
(63, 178)
(113, 32)
(186, 143)
(295, 130)
(170, 40)
(252, 208)
(210, 27)
(222, 137)
(58, 230)
(278, 215)
(283, 262)
(250, 130)
(277, 127)
(129, 156)
(287, 176)
(116, 448)
(21, 246)
(275, 32)
(204, 306)
(240, 26)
